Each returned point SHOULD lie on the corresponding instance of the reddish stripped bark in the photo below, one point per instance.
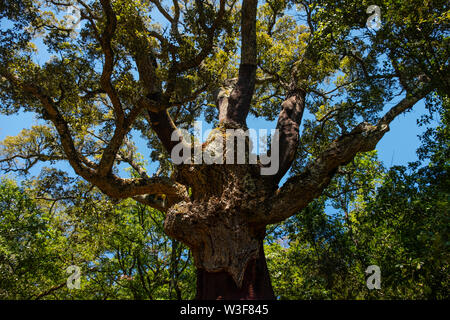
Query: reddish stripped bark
(256, 284)
(235, 110)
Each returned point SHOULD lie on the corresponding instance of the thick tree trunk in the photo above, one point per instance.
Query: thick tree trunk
(222, 224)
(227, 249)
(256, 284)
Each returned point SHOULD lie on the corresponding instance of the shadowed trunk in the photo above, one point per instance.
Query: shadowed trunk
(256, 284)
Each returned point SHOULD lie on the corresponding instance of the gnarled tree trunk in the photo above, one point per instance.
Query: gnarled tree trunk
(255, 285)
(221, 225)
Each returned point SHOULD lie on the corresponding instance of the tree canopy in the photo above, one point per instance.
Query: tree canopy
(130, 56)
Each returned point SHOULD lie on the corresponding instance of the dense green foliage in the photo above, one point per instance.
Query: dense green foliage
(403, 229)
(121, 249)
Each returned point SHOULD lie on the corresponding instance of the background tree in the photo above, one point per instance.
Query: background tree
(54, 221)
(121, 249)
(221, 60)
(401, 226)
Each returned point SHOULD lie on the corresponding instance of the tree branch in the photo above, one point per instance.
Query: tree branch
(110, 184)
(300, 190)
(53, 114)
(162, 124)
(238, 103)
(288, 130)
(50, 291)
(109, 154)
(105, 41)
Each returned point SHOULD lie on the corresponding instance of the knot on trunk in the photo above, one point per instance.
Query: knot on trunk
(218, 234)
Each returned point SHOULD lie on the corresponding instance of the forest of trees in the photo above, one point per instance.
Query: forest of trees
(331, 84)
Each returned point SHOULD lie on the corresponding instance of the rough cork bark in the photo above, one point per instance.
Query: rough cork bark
(220, 225)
